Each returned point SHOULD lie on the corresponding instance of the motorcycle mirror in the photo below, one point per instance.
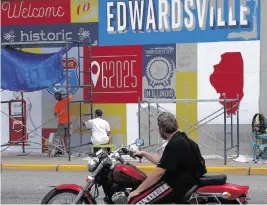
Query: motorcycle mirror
(139, 142)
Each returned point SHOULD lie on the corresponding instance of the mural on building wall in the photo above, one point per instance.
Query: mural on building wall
(228, 79)
(84, 11)
(232, 68)
(71, 70)
(12, 130)
(159, 68)
(210, 48)
(30, 12)
(146, 22)
(114, 113)
(186, 57)
(186, 88)
(50, 33)
(75, 75)
(186, 85)
(116, 74)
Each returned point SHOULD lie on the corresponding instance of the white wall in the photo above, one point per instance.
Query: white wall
(208, 56)
(132, 121)
(34, 120)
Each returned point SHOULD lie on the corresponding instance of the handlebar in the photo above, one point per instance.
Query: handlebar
(117, 154)
(131, 153)
(104, 158)
(121, 160)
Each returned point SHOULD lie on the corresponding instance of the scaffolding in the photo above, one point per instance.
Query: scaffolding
(65, 44)
(234, 103)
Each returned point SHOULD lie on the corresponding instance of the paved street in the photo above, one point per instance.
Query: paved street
(29, 187)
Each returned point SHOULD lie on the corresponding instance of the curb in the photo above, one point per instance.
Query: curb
(258, 171)
(229, 170)
(28, 167)
(232, 170)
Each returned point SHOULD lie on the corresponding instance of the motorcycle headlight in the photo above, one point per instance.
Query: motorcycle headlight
(92, 164)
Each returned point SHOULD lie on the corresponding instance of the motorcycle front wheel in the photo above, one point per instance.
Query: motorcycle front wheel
(62, 197)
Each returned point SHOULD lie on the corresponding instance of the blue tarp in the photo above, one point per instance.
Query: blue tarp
(28, 72)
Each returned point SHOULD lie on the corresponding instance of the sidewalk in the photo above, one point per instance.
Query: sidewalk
(79, 164)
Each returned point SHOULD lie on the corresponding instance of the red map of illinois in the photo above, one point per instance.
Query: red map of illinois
(228, 78)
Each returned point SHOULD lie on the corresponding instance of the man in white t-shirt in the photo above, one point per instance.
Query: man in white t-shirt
(100, 129)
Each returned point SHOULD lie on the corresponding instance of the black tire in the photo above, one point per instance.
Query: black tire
(223, 201)
(230, 202)
(55, 192)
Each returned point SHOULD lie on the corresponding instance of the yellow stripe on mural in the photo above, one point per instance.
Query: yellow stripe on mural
(75, 113)
(84, 11)
(186, 88)
(31, 50)
(115, 114)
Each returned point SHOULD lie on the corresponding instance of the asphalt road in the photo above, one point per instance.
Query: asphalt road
(29, 187)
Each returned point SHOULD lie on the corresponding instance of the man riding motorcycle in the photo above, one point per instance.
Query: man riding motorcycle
(177, 169)
(180, 170)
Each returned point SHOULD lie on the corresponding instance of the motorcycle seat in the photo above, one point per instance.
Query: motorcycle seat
(212, 180)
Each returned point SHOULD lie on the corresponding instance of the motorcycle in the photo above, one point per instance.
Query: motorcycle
(119, 179)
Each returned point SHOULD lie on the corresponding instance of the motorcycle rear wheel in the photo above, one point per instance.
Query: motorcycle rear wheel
(214, 201)
(66, 196)
(222, 201)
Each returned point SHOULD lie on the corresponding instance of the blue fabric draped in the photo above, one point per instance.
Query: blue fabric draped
(28, 72)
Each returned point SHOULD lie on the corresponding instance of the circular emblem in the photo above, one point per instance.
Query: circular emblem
(159, 71)
(58, 88)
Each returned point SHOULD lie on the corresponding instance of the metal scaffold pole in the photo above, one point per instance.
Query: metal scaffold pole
(237, 125)
(91, 82)
(225, 110)
(149, 125)
(224, 130)
(139, 118)
(68, 103)
(22, 119)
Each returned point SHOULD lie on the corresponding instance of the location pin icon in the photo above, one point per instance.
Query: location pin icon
(95, 76)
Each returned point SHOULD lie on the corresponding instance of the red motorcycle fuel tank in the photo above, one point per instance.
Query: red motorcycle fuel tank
(128, 175)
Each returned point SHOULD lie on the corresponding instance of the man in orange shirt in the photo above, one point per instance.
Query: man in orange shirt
(61, 111)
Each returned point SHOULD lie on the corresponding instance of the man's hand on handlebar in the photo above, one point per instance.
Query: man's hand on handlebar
(138, 154)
